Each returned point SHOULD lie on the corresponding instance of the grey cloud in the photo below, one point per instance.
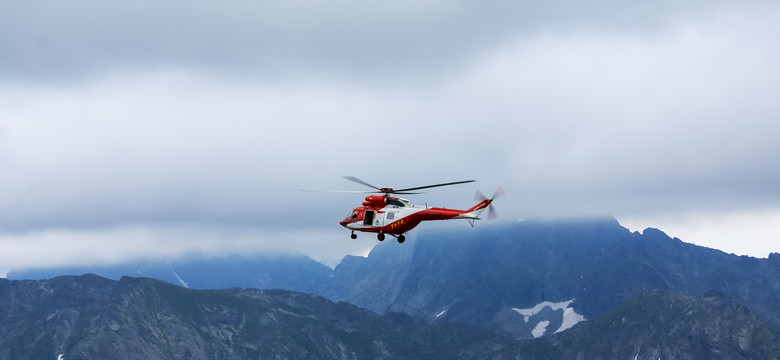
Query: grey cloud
(632, 109)
(61, 247)
(352, 39)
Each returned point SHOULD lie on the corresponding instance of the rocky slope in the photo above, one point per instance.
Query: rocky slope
(663, 325)
(89, 317)
(489, 276)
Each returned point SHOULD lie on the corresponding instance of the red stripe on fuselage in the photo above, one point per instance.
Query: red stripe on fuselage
(409, 222)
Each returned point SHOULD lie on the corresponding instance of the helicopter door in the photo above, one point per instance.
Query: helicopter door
(368, 218)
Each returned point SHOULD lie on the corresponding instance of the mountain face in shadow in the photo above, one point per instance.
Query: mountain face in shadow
(663, 325)
(488, 276)
(525, 280)
(90, 317)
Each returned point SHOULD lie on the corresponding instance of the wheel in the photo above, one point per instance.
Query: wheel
(380, 236)
(401, 239)
(354, 236)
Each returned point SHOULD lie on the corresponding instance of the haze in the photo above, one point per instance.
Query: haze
(148, 130)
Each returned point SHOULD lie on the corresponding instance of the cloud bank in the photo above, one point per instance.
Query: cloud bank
(193, 116)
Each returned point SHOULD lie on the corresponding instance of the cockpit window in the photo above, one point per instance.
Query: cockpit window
(395, 202)
(354, 215)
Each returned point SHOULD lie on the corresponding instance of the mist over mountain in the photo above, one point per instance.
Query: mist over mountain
(296, 273)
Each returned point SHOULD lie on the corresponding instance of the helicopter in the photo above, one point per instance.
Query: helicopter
(394, 216)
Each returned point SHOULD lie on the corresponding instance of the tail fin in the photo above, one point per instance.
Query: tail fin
(484, 203)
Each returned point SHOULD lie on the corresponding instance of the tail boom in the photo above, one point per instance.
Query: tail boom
(476, 210)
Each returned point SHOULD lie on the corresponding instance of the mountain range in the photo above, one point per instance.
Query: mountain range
(88, 317)
(490, 277)
(296, 273)
(542, 281)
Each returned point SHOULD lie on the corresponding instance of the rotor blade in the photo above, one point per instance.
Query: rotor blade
(499, 193)
(437, 185)
(492, 213)
(478, 196)
(352, 178)
(341, 191)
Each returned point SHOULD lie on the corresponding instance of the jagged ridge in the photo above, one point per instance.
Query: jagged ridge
(89, 317)
(478, 277)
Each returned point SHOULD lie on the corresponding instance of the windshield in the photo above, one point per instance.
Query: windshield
(395, 202)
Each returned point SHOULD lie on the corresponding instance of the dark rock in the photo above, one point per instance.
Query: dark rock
(478, 276)
(89, 317)
(660, 324)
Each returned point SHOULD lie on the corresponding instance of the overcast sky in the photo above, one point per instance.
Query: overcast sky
(153, 130)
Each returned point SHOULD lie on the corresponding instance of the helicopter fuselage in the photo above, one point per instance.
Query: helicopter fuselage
(395, 216)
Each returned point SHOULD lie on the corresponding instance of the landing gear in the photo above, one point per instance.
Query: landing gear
(381, 237)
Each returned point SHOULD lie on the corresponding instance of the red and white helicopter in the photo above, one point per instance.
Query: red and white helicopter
(385, 214)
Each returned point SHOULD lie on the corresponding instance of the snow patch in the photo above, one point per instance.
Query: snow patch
(181, 281)
(569, 317)
(540, 328)
(540, 306)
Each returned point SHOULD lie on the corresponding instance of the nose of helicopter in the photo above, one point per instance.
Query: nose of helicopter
(344, 222)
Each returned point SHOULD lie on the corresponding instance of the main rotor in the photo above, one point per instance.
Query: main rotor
(387, 190)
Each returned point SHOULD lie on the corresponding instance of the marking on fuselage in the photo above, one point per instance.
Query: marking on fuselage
(397, 223)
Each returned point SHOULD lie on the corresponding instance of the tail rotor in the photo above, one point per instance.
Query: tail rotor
(491, 210)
